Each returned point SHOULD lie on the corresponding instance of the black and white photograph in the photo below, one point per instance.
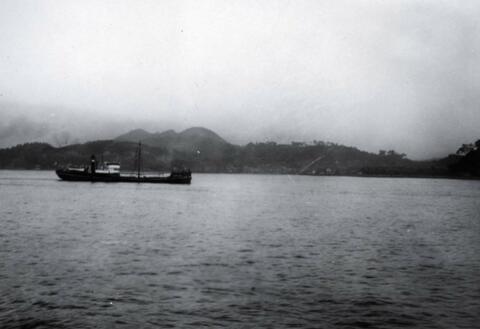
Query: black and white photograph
(239, 164)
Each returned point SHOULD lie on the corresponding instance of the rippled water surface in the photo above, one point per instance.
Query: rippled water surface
(239, 251)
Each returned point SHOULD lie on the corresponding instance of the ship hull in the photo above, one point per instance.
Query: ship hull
(80, 176)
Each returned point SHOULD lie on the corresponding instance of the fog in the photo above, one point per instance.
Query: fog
(401, 75)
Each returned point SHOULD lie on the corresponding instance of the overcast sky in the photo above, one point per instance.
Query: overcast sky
(371, 74)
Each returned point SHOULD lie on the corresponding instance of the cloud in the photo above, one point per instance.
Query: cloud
(374, 74)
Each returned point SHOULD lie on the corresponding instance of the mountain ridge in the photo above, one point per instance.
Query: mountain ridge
(139, 134)
(203, 150)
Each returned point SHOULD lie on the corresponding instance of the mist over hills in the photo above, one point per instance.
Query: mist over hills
(61, 126)
(394, 76)
(202, 150)
(196, 137)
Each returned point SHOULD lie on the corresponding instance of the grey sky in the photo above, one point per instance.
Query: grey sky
(372, 74)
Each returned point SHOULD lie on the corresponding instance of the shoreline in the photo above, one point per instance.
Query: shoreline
(473, 178)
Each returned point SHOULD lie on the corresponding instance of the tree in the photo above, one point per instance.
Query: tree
(465, 149)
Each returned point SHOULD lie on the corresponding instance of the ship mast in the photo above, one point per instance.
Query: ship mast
(139, 159)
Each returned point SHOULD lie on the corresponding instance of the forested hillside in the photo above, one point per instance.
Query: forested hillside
(202, 150)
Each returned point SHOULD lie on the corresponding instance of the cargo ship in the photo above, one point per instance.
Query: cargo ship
(109, 172)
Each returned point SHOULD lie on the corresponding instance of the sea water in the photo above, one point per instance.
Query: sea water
(239, 251)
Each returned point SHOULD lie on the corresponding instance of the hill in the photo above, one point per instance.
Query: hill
(186, 139)
(135, 135)
(203, 150)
